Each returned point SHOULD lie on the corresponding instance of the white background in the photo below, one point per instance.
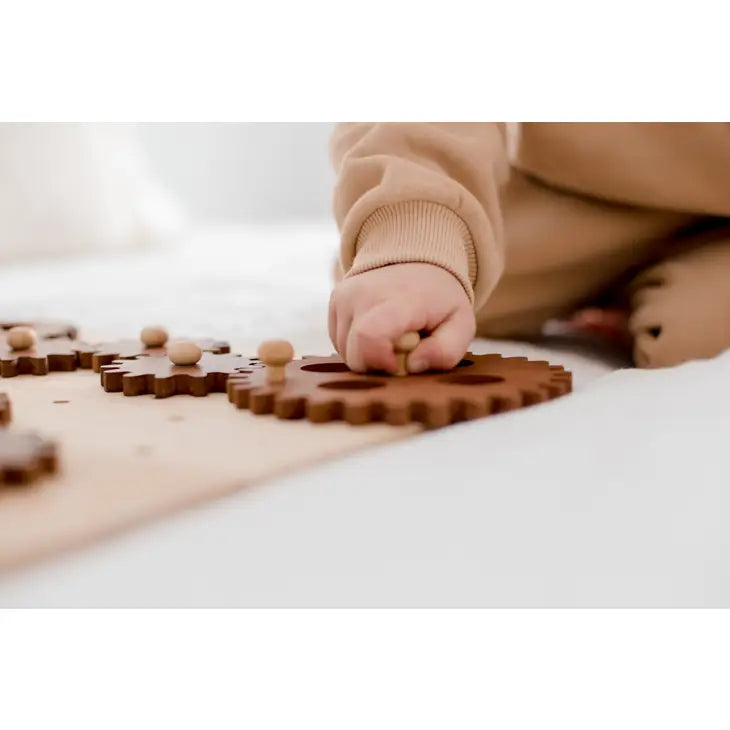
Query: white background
(242, 172)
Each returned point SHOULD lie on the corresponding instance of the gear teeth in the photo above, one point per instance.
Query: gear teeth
(438, 415)
(111, 378)
(239, 392)
(290, 408)
(562, 382)
(396, 414)
(457, 409)
(135, 384)
(476, 408)
(6, 410)
(262, 400)
(533, 397)
(357, 413)
(488, 384)
(504, 402)
(322, 411)
(367, 412)
(431, 415)
(25, 457)
(24, 366)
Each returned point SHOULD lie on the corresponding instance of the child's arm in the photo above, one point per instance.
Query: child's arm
(418, 210)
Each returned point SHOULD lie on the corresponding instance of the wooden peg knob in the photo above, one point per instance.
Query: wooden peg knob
(21, 338)
(184, 352)
(153, 336)
(276, 354)
(403, 346)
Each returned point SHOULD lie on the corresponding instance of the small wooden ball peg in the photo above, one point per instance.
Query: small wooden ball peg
(184, 352)
(21, 338)
(275, 354)
(153, 336)
(403, 346)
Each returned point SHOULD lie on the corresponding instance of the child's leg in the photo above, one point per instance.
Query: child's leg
(563, 251)
(681, 306)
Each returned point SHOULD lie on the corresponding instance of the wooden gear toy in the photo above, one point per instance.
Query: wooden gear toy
(45, 356)
(160, 377)
(325, 389)
(25, 457)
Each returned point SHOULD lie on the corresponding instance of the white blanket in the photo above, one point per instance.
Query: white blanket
(614, 496)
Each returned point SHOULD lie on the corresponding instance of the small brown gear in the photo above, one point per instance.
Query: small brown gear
(45, 329)
(6, 412)
(45, 356)
(324, 389)
(104, 353)
(157, 375)
(25, 457)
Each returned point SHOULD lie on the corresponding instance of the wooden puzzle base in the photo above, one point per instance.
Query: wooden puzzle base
(126, 460)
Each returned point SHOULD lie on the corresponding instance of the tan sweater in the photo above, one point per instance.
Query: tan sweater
(422, 192)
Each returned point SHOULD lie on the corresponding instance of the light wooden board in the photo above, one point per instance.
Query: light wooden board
(125, 460)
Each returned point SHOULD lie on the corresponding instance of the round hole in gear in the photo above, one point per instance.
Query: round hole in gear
(471, 379)
(327, 367)
(352, 385)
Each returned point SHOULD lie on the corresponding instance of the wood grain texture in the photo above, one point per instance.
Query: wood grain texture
(128, 460)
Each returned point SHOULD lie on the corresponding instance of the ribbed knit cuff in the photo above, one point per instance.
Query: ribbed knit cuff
(417, 231)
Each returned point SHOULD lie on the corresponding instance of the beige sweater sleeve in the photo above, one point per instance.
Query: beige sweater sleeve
(422, 192)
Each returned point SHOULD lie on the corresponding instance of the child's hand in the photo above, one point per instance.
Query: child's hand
(368, 312)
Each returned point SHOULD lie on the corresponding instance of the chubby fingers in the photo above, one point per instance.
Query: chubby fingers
(372, 334)
(340, 319)
(446, 345)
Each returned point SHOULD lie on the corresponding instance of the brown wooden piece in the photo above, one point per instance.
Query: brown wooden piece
(45, 356)
(158, 376)
(324, 389)
(45, 329)
(403, 346)
(6, 412)
(25, 457)
(103, 353)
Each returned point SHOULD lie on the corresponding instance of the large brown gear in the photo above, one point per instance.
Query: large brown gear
(324, 389)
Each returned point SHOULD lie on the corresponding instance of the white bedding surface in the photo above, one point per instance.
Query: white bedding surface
(615, 496)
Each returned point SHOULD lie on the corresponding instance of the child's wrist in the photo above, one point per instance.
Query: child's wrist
(417, 231)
